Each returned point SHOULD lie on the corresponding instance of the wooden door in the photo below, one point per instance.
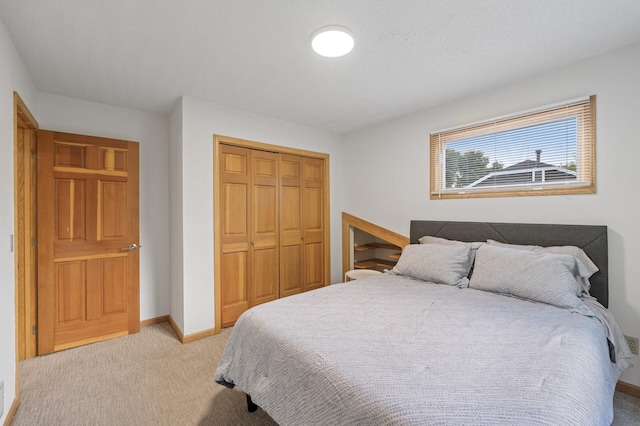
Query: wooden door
(88, 219)
(235, 182)
(264, 272)
(291, 238)
(312, 206)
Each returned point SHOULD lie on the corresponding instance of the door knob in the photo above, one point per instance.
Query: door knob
(132, 247)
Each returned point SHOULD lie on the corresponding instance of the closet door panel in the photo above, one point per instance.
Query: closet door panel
(234, 279)
(265, 270)
(314, 263)
(291, 270)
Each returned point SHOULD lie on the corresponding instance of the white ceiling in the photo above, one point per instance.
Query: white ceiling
(255, 55)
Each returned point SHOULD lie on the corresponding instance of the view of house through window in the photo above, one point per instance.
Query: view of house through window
(546, 151)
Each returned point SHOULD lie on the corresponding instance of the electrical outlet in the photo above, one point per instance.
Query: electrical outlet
(633, 344)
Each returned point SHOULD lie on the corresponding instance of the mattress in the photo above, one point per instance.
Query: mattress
(394, 350)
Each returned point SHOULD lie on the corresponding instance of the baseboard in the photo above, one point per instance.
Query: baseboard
(156, 320)
(199, 335)
(184, 339)
(176, 329)
(12, 412)
(628, 388)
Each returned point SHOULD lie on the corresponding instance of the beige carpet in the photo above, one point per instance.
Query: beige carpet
(151, 379)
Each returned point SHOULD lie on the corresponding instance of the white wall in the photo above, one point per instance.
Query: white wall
(400, 150)
(200, 121)
(152, 132)
(13, 77)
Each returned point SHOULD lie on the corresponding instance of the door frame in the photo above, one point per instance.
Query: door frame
(25, 263)
(217, 225)
(24, 278)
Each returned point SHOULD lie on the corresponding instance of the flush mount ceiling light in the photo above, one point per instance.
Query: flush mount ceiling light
(332, 41)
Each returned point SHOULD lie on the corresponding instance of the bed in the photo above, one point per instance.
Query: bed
(454, 334)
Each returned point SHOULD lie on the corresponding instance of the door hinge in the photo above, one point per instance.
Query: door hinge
(34, 153)
(34, 241)
(34, 330)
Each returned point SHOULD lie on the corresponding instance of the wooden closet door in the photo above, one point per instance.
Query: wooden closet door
(264, 272)
(235, 192)
(312, 207)
(291, 238)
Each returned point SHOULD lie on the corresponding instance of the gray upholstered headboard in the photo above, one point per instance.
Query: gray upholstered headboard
(592, 239)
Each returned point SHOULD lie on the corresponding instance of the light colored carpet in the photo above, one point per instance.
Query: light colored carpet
(626, 410)
(150, 378)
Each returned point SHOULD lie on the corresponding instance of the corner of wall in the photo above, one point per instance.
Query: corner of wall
(175, 214)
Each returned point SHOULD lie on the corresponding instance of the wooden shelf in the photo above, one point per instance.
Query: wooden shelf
(356, 244)
(374, 264)
(373, 246)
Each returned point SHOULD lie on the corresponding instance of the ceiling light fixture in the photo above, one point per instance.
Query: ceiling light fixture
(332, 41)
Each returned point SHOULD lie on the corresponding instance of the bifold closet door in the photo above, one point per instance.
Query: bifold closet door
(301, 224)
(264, 251)
(312, 208)
(235, 189)
(271, 227)
(291, 236)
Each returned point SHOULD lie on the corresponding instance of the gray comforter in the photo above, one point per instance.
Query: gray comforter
(392, 350)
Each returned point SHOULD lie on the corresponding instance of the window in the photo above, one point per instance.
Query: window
(546, 151)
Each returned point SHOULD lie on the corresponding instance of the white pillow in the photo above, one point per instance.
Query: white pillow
(437, 263)
(541, 277)
(577, 252)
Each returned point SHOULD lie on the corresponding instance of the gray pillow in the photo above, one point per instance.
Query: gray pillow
(428, 239)
(585, 285)
(437, 263)
(542, 277)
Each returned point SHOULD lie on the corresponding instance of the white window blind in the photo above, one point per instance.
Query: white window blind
(550, 150)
